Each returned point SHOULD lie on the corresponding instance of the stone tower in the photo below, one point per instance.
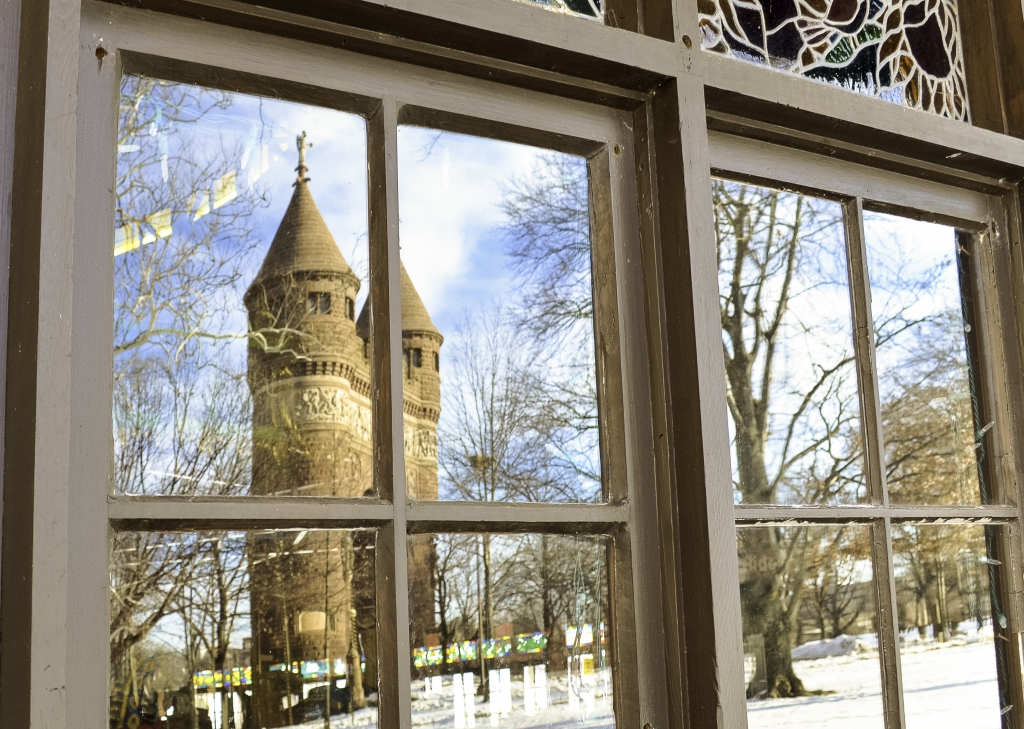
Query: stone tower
(421, 380)
(308, 372)
(309, 375)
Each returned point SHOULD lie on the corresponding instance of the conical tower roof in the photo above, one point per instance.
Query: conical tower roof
(415, 317)
(302, 244)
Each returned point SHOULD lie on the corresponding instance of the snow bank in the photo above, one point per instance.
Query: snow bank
(950, 688)
(842, 645)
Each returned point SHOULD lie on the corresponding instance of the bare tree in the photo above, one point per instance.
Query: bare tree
(548, 247)
(837, 593)
(214, 602)
(547, 236)
(794, 431)
(498, 439)
(493, 440)
(810, 445)
(158, 457)
(185, 229)
(540, 583)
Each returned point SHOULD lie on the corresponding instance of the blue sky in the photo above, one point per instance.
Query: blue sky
(451, 187)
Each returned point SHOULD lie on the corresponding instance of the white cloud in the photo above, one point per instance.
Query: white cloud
(450, 193)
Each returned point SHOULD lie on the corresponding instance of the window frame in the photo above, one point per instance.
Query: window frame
(672, 93)
(386, 95)
(982, 217)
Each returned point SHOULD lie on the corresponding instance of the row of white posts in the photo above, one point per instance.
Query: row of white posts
(535, 693)
(501, 693)
(215, 706)
(535, 688)
(464, 693)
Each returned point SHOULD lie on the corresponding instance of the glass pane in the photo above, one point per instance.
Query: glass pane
(590, 9)
(497, 321)
(788, 339)
(924, 376)
(945, 618)
(810, 642)
(905, 52)
(237, 366)
(541, 603)
(231, 630)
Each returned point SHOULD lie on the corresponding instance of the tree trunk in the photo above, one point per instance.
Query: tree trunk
(782, 680)
(553, 629)
(487, 615)
(941, 608)
(765, 613)
(356, 692)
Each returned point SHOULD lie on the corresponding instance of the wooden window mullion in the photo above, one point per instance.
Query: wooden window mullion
(884, 578)
(874, 465)
(864, 352)
(394, 703)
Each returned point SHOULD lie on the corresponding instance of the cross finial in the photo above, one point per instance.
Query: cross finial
(300, 142)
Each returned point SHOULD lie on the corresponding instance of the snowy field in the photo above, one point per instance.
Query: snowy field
(945, 686)
(593, 710)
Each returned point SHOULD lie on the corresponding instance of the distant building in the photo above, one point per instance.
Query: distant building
(309, 374)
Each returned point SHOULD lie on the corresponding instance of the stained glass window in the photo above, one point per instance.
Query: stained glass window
(904, 51)
(592, 9)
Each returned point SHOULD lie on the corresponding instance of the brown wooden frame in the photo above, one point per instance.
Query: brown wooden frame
(645, 62)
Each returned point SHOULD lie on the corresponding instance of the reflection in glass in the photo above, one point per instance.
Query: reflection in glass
(510, 630)
(497, 321)
(242, 629)
(945, 618)
(924, 376)
(237, 367)
(787, 335)
(809, 630)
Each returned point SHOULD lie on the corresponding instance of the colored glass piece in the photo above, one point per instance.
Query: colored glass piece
(904, 51)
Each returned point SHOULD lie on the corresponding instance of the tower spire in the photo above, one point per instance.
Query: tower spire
(300, 142)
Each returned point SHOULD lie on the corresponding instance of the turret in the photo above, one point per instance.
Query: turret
(309, 382)
(421, 364)
(311, 437)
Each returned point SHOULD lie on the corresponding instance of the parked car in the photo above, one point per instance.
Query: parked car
(312, 707)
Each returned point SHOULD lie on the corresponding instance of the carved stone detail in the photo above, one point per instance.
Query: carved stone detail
(420, 442)
(315, 405)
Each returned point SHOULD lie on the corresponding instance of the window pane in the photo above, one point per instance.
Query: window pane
(242, 629)
(497, 321)
(541, 604)
(924, 375)
(233, 371)
(809, 638)
(591, 9)
(787, 336)
(945, 615)
(906, 53)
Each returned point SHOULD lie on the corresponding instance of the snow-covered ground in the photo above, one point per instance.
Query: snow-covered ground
(430, 709)
(592, 711)
(363, 719)
(945, 686)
